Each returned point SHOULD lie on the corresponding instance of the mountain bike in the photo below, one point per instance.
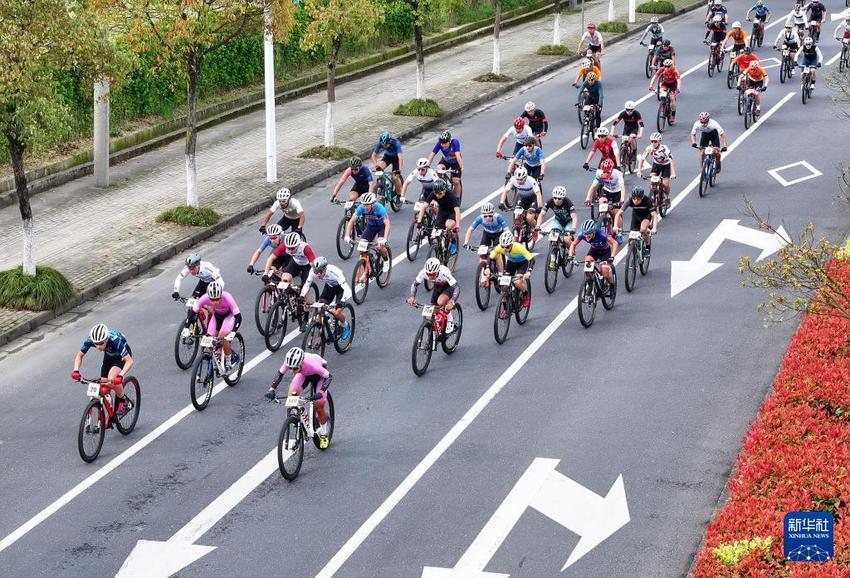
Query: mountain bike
(415, 235)
(370, 265)
(594, 288)
(510, 303)
(708, 171)
(324, 327)
(485, 275)
(266, 297)
(556, 259)
(441, 248)
(786, 67)
(649, 69)
(844, 59)
(628, 156)
(435, 328)
(662, 117)
(188, 334)
(751, 111)
(290, 305)
(100, 414)
(523, 232)
(806, 78)
(715, 57)
(215, 363)
(302, 422)
(732, 73)
(757, 35)
(385, 190)
(659, 195)
(588, 124)
(637, 259)
(343, 249)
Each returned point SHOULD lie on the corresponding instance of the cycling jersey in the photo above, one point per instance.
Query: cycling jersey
(668, 75)
(607, 146)
(660, 155)
(426, 179)
(582, 72)
(798, 19)
(517, 253)
(613, 182)
(519, 136)
(334, 277)
(292, 210)
(760, 12)
(743, 60)
(711, 125)
(449, 153)
(817, 10)
(537, 120)
(642, 211)
(312, 366)
(446, 204)
(444, 279)
(809, 56)
(665, 52)
(225, 306)
(496, 225)
(717, 30)
(391, 148)
(631, 121)
(790, 37)
(532, 159)
(738, 37)
(267, 242)
(116, 345)
(593, 39)
(715, 10)
(362, 178)
(207, 273)
(375, 218)
(564, 213)
(302, 256)
(756, 74)
(594, 91)
(600, 239)
(527, 191)
(655, 33)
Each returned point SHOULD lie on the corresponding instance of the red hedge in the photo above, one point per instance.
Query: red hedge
(796, 456)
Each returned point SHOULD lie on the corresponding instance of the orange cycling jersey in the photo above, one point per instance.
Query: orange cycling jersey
(743, 60)
(585, 69)
(668, 75)
(739, 37)
(756, 74)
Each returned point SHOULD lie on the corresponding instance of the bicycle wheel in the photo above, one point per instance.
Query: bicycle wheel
(238, 344)
(661, 117)
(423, 346)
(608, 299)
(262, 306)
(414, 239)
(186, 348)
(383, 278)
(395, 201)
(805, 91)
(587, 302)
(741, 103)
(451, 261)
(342, 345)
(502, 319)
(550, 275)
(730, 77)
(760, 35)
(290, 448)
(521, 313)
(450, 340)
(126, 423)
(842, 61)
(783, 71)
(201, 382)
(644, 264)
(343, 249)
(91, 434)
(748, 116)
(567, 265)
(482, 291)
(316, 439)
(711, 65)
(360, 288)
(631, 267)
(662, 203)
(712, 174)
(720, 60)
(314, 339)
(703, 179)
(585, 135)
(276, 323)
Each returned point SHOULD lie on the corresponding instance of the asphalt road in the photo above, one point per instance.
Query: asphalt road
(658, 391)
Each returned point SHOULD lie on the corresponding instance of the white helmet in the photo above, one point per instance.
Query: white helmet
(630, 105)
(294, 358)
(601, 131)
(488, 209)
(736, 24)
(292, 240)
(559, 192)
(506, 239)
(99, 333)
(368, 199)
(718, 2)
(808, 40)
(214, 290)
(529, 106)
(422, 163)
(655, 136)
(520, 173)
(273, 230)
(717, 18)
(432, 266)
(653, 20)
(283, 194)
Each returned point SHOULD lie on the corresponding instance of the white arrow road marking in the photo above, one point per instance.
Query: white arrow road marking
(683, 274)
(563, 500)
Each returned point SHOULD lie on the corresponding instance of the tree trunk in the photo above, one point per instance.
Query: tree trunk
(330, 138)
(16, 152)
(497, 25)
(420, 61)
(194, 60)
(556, 33)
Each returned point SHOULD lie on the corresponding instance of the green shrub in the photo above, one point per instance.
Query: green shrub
(656, 7)
(615, 27)
(419, 107)
(332, 153)
(490, 77)
(47, 290)
(191, 216)
(732, 554)
(398, 21)
(553, 50)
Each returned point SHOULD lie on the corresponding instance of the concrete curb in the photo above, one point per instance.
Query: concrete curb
(203, 234)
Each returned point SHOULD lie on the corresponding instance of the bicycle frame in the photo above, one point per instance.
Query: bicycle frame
(213, 346)
(304, 409)
(97, 390)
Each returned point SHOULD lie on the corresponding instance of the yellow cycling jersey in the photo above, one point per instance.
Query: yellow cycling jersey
(517, 253)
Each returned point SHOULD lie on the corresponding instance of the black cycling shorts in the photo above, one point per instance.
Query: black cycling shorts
(600, 254)
(200, 288)
(110, 361)
(527, 203)
(661, 170)
(516, 267)
(297, 270)
(490, 239)
(331, 293)
(438, 290)
(391, 161)
(711, 137)
(442, 217)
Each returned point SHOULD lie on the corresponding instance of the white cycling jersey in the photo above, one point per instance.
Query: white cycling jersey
(660, 155)
(711, 126)
(333, 277)
(292, 211)
(426, 179)
(207, 273)
(793, 37)
(444, 277)
(594, 39)
(798, 19)
(613, 183)
(519, 136)
(525, 190)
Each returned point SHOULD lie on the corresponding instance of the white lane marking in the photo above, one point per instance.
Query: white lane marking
(833, 59)
(813, 172)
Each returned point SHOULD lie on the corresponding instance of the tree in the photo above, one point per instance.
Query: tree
(497, 25)
(333, 22)
(182, 33)
(39, 40)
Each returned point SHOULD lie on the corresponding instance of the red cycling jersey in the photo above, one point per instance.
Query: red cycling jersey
(604, 146)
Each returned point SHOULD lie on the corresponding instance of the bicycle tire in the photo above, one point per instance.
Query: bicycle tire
(644, 264)
(482, 292)
(510, 198)
(383, 277)
(805, 91)
(133, 392)
(414, 240)
(783, 70)
(711, 65)
(661, 117)
(239, 343)
(720, 61)
(450, 341)
(703, 181)
(423, 345)
(741, 103)
(343, 345)
(287, 448)
(395, 201)
(550, 274)
(316, 439)
(567, 265)
(631, 268)
(343, 249)
(276, 324)
(314, 339)
(748, 117)
(262, 305)
(648, 65)
(502, 319)
(92, 414)
(585, 135)
(730, 77)
(521, 313)
(587, 299)
(203, 375)
(842, 60)
(180, 345)
(359, 296)
(608, 300)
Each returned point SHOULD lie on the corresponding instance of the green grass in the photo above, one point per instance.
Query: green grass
(490, 77)
(192, 216)
(332, 153)
(658, 7)
(47, 290)
(615, 27)
(419, 107)
(553, 50)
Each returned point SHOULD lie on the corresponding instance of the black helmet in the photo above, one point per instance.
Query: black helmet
(529, 140)
(439, 185)
(667, 42)
(638, 193)
(355, 162)
(445, 136)
(748, 49)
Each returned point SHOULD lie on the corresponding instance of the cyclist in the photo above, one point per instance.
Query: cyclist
(536, 119)
(223, 316)
(529, 197)
(810, 55)
(519, 132)
(607, 147)
(799, 20)
(519, 261)
(743, 61)
(607, 185)
(595, 94)
(447, 209)
(670, 80)
(272, 240)
(711, 133)
(309, 370)
(451, 160)
(364, 182)
(533, 158)
(422, 173)
(817, 13)
(655, 31)
(662, 161)
(757, 79)
(594, 43)
(117, 361)
(790, 39)
(377, 224)
(445, 288)
(492, 224)
(587, 65)
(565, 218)
(603, 247)
(632, 124)
(205, 271)
(391, 156)
(716, 8)
(335, 292)
(295, 255)
(761, 15)
(293, 212)
(644, 214)
(843, 27)
(717, 30)
(738, 38)
(664, 51)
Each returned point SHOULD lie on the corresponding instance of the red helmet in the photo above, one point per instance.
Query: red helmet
(591, 26)
(607, 166)
(519, 123)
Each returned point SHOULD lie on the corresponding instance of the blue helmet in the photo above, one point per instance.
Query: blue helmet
(385, 136)
(588, 225)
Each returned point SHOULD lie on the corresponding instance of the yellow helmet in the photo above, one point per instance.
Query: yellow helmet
(590, 77)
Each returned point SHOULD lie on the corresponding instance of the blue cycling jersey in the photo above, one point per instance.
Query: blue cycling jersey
(533, 158)
(496, 225)
(449, 152)
(600, 239)
(268, 243)
(394, 148)
(761, 11)
(375, 218)
(363, 176)
(116, 345)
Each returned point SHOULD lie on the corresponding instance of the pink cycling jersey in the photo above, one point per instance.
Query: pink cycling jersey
(314, 365)
(226, 308)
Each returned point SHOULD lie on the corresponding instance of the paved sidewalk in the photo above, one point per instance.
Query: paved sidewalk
(91, 235)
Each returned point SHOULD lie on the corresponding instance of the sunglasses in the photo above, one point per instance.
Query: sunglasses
(487, 216)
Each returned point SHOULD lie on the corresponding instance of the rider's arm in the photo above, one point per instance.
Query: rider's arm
(414, 287)
(78, 360)
(502, 142)
(345, 174)
(672, 168)
(820, 54)
(183, 272)
(310, 277)
(386, 227)
(267, 217)
(459, 160)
